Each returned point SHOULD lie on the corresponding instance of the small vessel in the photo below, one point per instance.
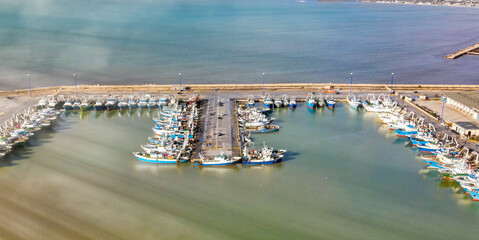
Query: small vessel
(220, 160)
(68, 105)
(99, 105)
(132, 103)
(163, 101)
(292, 102)
(311, 101)
(85, 105)
(123, 104)
(251, 101)
(321, 101)
(285, 100)
(76, 105)
(352, 101)
(268, 101)
(111, 103)
(330, 102)
(267, 155)
(158, 158)
(152, 103)
(265, 129)
(278, 103)
(143, 103)
(42, 103)
(52, 102)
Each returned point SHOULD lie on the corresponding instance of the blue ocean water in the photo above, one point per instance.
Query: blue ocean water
(232, 41)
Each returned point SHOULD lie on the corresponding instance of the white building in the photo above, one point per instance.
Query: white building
(466, 102)
(466, 128)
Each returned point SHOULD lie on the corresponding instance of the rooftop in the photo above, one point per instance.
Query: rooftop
(467, 125)
(469, 98)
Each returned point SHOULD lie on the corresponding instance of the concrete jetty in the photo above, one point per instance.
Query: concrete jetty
(219, 131)
(209, 88)
(469, 50)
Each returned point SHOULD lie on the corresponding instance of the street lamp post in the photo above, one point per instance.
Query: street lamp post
(443, 98)
(179, 75)
(392, 81)
(351, 85)
(76, 88)
(29, 84)
(264, 76)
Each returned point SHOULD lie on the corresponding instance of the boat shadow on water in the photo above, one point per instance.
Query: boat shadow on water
(290, 156)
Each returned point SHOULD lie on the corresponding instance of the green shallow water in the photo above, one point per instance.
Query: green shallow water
(344, 177)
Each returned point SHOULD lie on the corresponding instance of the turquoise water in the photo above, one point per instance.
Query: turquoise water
(234, 41)
(344, 177)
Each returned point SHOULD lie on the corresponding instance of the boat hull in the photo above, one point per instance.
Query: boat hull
(99, 107)
(159, 160)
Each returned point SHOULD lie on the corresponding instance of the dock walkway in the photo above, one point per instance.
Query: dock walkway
(219, 132)
(462, 52)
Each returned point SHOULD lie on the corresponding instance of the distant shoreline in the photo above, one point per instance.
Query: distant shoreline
(424, 3)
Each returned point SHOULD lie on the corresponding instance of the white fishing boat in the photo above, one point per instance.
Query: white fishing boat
(219, 160)
(353, 102)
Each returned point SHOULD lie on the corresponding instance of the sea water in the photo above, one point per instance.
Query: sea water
(345, 176)
(232, 41)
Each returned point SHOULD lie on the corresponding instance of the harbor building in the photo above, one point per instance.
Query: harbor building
(466, 102)
(466, 128)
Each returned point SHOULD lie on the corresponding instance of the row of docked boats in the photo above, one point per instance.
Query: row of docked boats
(174, 138)
(370, 103)
(20, 128)
(318, 100)
(278, 102)
(253, 120)
(130, 102)
(439, 152)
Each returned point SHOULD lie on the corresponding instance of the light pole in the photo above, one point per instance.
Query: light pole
(264, 76)
(392, 81)
(76, 88)
(443, 98)
(351, 85)
(29, 84)
(179, 75)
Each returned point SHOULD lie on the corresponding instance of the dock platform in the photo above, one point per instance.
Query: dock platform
(220, 132)
(474, 50)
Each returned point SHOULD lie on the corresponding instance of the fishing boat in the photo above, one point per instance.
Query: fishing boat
(220, 160)
(143, 103)
(123, 104)
(320, 100)
(99, 105)
(352, 101)
(111, 103)
(266, 155)
(292, 102)
(268, 101)
(251, 101)
(68, 105)
(330, 102)
(311, 101)
(85, 105)
(163, 101)
(52, 102)
(132, 103)
(278, 103)
(76, 105)
(158, 158)
(264, 129)
(285, 100)
(152, 103)
(42, 103)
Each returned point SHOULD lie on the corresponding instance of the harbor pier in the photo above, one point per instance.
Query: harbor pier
(473, 50)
